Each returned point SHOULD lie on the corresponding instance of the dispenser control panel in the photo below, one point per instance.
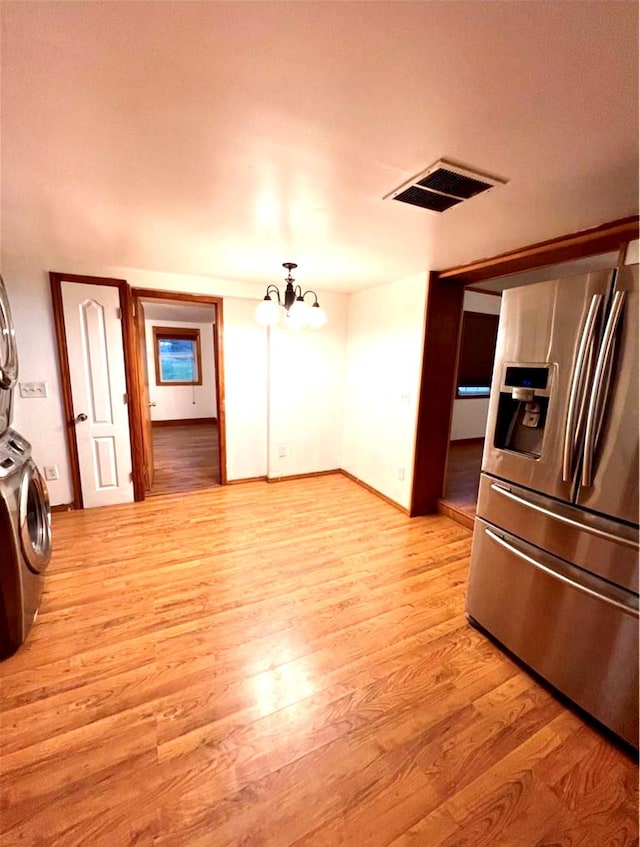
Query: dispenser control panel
(522, 408)
(534, 377)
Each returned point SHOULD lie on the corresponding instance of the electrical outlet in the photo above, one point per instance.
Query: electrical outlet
(282, 450)
(51, 472)
(404, 398)
(400, 473)
(33, 389)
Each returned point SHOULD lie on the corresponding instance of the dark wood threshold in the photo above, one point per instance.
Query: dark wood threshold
(456, 514)
(62, 507)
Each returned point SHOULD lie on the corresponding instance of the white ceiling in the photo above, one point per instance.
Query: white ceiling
(225, 138)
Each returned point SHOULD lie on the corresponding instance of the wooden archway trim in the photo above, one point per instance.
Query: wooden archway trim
(589, 242)
(443, 320)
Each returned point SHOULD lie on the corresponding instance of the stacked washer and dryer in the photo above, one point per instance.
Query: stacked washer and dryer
(25, 514)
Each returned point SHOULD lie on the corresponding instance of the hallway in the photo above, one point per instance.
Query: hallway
(463, 475)
(185, 457)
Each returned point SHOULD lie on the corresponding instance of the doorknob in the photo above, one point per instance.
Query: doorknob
(81, 417)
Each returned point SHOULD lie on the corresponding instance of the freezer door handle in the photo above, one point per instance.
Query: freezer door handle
(600, 385)
(592, 530)
(497, 539)
(578, 388)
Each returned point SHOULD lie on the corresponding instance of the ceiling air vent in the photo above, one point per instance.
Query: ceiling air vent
(442, 185)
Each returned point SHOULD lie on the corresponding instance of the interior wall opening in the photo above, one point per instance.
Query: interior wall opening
(180, 396)
(476, 356)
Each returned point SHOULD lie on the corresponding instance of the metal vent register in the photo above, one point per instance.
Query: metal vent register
(443, 185)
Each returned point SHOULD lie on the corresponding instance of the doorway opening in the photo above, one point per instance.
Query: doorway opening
(180, 390)
(105, 375)
(94, 337)
(471, 400)
(579, 251)
(476, 354)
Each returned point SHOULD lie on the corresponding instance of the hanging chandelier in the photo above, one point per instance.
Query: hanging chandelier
(296, 311)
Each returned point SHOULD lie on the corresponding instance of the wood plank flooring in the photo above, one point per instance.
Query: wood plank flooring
(463, 475)
(285, 665)
(185, 458)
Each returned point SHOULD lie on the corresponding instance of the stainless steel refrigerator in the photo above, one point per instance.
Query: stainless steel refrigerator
(554, 566)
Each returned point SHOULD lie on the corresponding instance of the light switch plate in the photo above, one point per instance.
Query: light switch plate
(33, 389)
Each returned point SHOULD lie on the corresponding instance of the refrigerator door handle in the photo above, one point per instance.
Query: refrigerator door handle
(576, 396)
(561, 577)
(600, 385)
(592, 530)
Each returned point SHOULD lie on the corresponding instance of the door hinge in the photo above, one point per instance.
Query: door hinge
(130, 476)
(125, 399)
(119, 314)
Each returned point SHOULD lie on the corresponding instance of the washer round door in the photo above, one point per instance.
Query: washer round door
(8, 349)
(35, 519)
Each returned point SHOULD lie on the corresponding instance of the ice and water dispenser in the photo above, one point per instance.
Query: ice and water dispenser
(522, 408)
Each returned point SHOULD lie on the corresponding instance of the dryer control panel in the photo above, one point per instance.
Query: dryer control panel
(14, 451)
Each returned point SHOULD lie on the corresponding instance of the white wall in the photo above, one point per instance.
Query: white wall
(633, 253)
(182, 402)
(384, 355)
(469, 418)
(245, 396)
(475, 301)
(306, 392)
(470, 413)
(304, 409)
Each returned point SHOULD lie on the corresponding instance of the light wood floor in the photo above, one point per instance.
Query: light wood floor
(285, 665)
(185, 458)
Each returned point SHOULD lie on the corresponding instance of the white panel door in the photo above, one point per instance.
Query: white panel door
(96, 363)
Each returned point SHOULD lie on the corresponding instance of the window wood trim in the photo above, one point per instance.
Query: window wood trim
(164, 332)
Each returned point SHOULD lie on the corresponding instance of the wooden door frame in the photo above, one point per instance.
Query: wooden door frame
(218, 356)
(443, 322)
(124, 292)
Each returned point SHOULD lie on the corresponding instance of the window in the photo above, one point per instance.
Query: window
(176, 351)
(477, 352)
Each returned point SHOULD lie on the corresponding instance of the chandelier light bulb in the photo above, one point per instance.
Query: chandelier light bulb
(316, 317)
(268, 312)
(298, 313)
